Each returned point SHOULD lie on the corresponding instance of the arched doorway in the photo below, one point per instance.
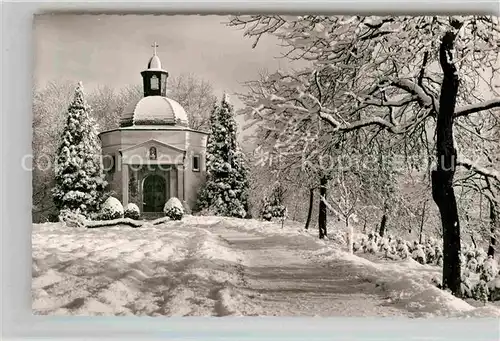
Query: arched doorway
(154, 193)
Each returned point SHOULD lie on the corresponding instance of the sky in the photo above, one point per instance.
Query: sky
(112, 50)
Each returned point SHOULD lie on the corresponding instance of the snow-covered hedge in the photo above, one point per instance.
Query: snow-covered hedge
(429, 252)
(132, 211)
(72, 218)
(115, 222)
(111, 209)
(480, 275)
(174, 209)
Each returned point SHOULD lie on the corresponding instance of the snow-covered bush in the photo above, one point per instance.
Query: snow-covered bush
(489, 270)
(430, 253)
(174, 209)
(419, 254)
(466, 287)
(439, 254)
(481, 292)
(111, 209)
(494, 289)
(472, 265)
(72, 218)
(132, 211)
(402, 250)
(435, 281)
(356, 246)
(371, 247)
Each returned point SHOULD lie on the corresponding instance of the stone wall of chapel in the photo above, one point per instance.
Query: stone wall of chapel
(193, 142)
(196, 145)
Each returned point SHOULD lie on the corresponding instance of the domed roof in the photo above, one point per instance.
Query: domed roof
(154, 62)
(154, 110)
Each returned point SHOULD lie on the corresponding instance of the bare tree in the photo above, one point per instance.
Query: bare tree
(196, 96)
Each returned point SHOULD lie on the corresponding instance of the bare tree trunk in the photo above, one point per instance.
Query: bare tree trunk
(350, 235)
(442, 177)
(382, 225)
(322, 208)
(422, 223)
(473, 240)
(493, 225)
(309, 212)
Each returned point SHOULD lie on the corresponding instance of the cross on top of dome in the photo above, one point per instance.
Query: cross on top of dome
(154, 62)
(154, 46)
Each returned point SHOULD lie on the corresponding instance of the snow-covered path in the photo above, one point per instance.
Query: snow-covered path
(208, 266)
(281, 280)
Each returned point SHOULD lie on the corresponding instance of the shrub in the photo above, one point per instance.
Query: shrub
(72, 218)
(481, 292)
(489, 270)
(435, 281)
(472, 265)
(173, 209)
(466, 287)
(494, 289)
(111, 209)
(403, 251)
(419, 255)
(132, 211)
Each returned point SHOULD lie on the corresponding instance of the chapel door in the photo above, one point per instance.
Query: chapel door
(154, 193)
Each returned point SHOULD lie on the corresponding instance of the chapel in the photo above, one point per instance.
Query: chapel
(154, 155)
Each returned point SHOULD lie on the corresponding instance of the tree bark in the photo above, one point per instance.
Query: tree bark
(422, 223)
(322, 208)
(350, 236)
(493, 225)
(309, 212)
(442, 177)
(473, 240)
(382, 225)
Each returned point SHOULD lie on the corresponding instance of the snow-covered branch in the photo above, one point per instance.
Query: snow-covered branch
(486, 172)
(474, 108)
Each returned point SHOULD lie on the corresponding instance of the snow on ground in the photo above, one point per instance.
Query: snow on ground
(215, 266)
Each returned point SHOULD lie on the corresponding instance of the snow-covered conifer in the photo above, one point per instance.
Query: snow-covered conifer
(225, 192)
(273, 205)
(481, 291)
(78, 169)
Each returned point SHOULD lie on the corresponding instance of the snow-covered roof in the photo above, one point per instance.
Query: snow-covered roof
(154, 110)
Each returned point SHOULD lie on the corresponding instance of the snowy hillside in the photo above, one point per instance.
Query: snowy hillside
(219, 266)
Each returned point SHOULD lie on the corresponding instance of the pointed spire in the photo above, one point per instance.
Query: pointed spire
(226, 98)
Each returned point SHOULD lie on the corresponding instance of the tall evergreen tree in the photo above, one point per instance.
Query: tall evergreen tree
(78, 169)
(226, 190)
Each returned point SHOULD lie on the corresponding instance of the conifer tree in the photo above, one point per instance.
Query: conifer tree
(225, 192)
(274, 206)
(78, 169)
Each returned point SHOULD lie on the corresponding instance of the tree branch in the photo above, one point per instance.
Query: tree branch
(468, 164)
(474, 108)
